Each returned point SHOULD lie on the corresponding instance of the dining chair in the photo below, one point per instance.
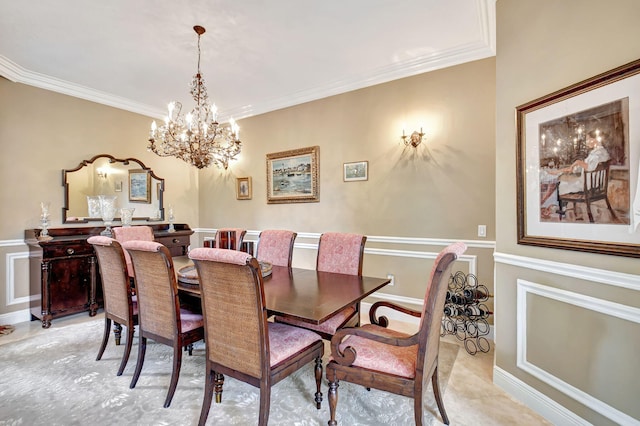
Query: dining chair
(160, 316)
(377, 357)
(341, 253)
(239, 340)
(132, 233)
(230, 238)
(276, 247)
(119, 303)
(595, 188)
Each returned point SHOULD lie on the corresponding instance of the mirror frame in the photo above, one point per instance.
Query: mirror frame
(111, 159)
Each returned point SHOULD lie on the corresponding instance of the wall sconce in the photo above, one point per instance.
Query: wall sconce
(414, 139)
(102, 172)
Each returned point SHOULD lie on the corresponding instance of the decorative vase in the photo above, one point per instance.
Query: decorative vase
(126, 215)
(93, 206)
(107, 212)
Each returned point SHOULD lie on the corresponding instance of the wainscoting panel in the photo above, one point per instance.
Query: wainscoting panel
(525, 323)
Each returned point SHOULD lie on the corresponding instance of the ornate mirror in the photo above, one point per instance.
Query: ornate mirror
(133, 185)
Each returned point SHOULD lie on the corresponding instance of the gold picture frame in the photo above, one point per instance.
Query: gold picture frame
(244, 190)
(556, 135)
(292, 176)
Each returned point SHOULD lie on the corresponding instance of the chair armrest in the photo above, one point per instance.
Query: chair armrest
(384, 321)
(348, 356)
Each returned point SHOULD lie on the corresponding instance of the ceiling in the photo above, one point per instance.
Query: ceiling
(257, 55)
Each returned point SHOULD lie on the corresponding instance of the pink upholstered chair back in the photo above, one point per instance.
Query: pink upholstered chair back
(434, 299)
(276, 247)
(132, 233)
(341, 252)
(239, 235)
(129, 233)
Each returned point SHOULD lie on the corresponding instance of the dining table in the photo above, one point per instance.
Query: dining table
(305, 294)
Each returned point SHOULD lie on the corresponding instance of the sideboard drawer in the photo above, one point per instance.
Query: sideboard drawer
(69, 249)
(177, 245)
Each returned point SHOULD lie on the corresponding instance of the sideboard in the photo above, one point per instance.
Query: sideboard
(64, 271)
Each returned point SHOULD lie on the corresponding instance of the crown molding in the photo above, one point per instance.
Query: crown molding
(14, 72)
(481, 48)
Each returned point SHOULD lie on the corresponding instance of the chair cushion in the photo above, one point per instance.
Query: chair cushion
(286, 340)
(190, 320)
(329, 326)
(372, 355)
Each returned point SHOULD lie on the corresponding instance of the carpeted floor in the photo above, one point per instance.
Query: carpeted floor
(53, 379)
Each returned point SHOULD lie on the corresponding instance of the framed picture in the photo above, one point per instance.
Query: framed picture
(117, 186)
(292, 176)
(358, 170)
(578, 153)
(243, 188)
(139, 186)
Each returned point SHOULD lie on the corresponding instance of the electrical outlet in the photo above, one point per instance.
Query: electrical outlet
(392, 278)
(482, 230)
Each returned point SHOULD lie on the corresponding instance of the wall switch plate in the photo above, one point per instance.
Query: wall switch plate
(392, 278)
(482, 230)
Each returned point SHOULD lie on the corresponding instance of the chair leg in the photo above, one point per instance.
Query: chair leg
(105, 337)
(142, 348)
(265, 402)
(208, 395)
(219, 382)
(127, 350)
(613, 214)
(588, 203)
(175, 374)
(333, 401)
(117, 332)
(318, 371)
(438, 395)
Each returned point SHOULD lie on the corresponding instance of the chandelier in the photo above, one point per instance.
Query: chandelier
(196, 137)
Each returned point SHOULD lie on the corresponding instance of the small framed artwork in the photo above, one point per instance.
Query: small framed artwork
(578, 183)
(244, 190)
(118, 186)
(292, 176)
(140, 186)
(358, 170)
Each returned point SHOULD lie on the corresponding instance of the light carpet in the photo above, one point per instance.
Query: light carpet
(53, 379)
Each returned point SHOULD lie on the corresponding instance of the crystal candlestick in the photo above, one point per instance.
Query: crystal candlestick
(44, 223)
(171, 219)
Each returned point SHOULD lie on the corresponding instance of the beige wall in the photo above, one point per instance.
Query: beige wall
(574, 346)
(418, 200)
(441, 190)
(43, 132)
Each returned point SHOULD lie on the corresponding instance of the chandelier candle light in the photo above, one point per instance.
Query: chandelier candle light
(196, 137)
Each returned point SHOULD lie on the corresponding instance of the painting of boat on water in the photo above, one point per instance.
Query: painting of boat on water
(292, 176)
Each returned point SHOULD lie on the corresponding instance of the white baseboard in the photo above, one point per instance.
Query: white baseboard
(16, 317)
(540, 403)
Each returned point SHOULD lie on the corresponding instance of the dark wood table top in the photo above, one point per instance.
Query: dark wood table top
(309, 295)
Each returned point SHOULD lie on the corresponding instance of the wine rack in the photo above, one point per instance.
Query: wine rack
(465, 312)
